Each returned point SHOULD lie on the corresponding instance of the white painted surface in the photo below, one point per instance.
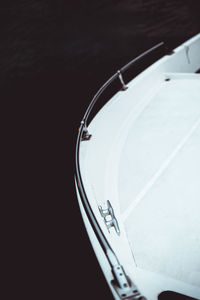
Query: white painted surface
(157, 136)
(164, 227)
(144, 157)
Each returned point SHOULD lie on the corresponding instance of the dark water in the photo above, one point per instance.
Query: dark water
(54, 55)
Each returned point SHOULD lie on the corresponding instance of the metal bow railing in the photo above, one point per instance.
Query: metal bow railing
(121, 283)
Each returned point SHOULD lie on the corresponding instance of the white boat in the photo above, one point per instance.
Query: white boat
(138, 178)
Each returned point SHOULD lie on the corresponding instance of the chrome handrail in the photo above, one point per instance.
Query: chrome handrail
(121, 280)
(116, 75)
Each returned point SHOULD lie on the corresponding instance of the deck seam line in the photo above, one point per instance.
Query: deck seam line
(163, 167)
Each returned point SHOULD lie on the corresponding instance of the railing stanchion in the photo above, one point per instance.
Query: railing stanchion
(124, 87)
(121, 283)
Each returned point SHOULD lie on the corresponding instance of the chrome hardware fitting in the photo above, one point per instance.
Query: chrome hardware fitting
(86, 136)
(109, 217)
(124, 287)
(124, 87)
(121, 283)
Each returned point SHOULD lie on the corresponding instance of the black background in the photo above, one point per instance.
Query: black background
(54, 55)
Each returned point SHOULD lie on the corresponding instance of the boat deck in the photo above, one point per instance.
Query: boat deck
(158, 182)
(145, 145)
(144, 157)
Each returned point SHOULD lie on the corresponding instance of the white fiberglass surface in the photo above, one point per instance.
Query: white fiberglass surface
(158, 130)
(159, 183)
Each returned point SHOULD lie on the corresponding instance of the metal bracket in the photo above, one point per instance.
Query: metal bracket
(124, 87)
(86, 136)
(109, 217)
(124, 287)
